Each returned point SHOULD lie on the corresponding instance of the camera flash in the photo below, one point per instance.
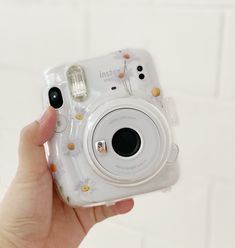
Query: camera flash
(77, 82)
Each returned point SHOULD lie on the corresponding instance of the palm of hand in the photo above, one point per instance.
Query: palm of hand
(61, 226)
(57, 225)
(31, 214)
(43, 220)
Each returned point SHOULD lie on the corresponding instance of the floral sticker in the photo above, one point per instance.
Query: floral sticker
(53, 167)
(122, 75)
(86, 187)
(156, 92)
(70, 147)
(79, 116)
(79, 113)
(56, 169)
(126, 55)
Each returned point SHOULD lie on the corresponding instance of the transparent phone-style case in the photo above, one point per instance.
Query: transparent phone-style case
(100, 97)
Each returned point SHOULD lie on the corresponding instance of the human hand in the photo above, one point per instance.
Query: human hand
(31, 214)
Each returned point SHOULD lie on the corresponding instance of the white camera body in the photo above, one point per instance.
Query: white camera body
(113, 138)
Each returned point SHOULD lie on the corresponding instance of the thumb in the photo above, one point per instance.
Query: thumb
(32, 158)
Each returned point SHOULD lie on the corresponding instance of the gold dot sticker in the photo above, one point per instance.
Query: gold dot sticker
(121, 75)
(53, 168)
(126, 56)
(156, 92)
(85, 188)
(79, 116)
(71, 146)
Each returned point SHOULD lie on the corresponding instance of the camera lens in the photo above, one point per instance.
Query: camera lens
(126, 142)
(55, 98)
(140, 68)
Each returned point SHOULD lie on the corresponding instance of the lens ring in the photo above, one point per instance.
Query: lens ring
(121, 175)
(126, 142)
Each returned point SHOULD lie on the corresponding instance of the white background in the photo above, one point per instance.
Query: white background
(193, 43)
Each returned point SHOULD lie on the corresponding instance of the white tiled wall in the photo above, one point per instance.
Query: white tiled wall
(228, 72)
(222, 215)
(193, 43)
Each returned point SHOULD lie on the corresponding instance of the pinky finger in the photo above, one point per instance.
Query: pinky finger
(103, 212)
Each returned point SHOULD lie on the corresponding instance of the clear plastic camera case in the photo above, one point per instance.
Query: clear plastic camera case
(113, 138)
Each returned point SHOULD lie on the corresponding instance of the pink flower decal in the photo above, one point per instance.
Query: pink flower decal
(126, 55)
(122, 75)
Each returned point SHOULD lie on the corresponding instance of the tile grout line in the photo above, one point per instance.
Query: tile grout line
(173, 6)
(217, 6)
(180, 6)
(220, 56)
(206, 6)
(208, 225)
(143, 243)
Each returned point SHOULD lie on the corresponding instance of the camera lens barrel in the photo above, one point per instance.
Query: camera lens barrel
(126, 142)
